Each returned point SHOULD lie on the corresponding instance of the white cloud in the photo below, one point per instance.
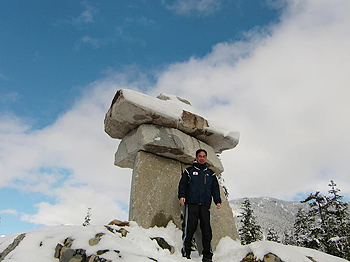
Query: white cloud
(87, 40)
(86, 17)
(71, 161)
(9, 212)
(144, 21)
(9, 97)
(188, 7)
(286, 90)
(74, 203)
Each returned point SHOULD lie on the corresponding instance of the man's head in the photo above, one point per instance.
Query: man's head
(201, 156)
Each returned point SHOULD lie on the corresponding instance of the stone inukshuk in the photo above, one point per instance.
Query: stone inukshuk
(159, 139)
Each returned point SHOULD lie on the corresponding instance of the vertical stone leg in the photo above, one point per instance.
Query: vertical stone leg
(153, 198)
(222, 221)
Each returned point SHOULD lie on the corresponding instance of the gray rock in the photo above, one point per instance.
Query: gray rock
(163, 141)
(153, 198)
(101, 252)
(166, 97)
(271, 258)
(267, 258)
(58, 250)
(127, 113)
(123, 232)
(92, 258)
(76, 258)
(117, 222)
(12, 246)
(163, 244)
(67, 255)
(94, 241)
(68, 242)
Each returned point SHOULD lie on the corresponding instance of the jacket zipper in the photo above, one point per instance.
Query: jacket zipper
(205, 179)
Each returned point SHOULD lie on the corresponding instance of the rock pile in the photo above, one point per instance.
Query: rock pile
(65, 253)
(107, 243)
(159, 139)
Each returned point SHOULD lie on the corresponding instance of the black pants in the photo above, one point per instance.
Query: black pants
(192, 214)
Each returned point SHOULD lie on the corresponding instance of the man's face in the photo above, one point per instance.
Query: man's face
(201, 158)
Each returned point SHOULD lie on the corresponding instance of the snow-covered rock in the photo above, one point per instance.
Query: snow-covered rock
(163, 141)
(140, 244)
(129, 109)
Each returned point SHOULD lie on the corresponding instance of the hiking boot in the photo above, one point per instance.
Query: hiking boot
(186, 254)
(205, 259)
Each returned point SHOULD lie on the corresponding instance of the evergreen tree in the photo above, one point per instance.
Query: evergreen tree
(289, 239)
(87, 217)
(250, 230)
(338, 233)
(272, 235)
(317, 214)
(328, 224)
(302, 230)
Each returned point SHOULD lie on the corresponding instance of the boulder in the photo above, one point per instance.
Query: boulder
(163, 141)
(164, 244)
(95, 240)
(122, 231)
(129, 109)
(117, 222)
(67, 255)
(12, 246)
(153, 197)
(269, 257)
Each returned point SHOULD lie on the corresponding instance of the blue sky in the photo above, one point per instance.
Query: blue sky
(52, 50)
(274, 70)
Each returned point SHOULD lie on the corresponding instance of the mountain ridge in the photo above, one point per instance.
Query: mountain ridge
(270, 213)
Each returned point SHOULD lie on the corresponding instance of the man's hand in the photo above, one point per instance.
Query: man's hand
(182, 201)
(218, 205)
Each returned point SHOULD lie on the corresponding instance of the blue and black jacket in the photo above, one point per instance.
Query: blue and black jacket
(198, 185)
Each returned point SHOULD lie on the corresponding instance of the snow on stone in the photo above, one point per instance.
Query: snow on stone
(39, 246)
(184, 104)
(220, 128)
(173, 108)
(164, 108)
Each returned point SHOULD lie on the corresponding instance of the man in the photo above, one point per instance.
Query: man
(197, 187)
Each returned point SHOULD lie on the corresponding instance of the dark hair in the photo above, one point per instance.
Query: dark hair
(201, 150)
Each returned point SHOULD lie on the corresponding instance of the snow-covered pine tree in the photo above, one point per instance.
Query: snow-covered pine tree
(302, 229)
(250, 230)
(330, 230)
(87, 217)
(318, 204)
(272, 235)
(338, 224)
(288, 238)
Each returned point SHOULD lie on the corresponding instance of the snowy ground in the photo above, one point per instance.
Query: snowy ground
(39, 246)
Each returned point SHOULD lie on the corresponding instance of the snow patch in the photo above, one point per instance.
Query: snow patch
(39, 245)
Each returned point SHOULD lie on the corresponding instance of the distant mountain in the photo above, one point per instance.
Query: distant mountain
(270, 213)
